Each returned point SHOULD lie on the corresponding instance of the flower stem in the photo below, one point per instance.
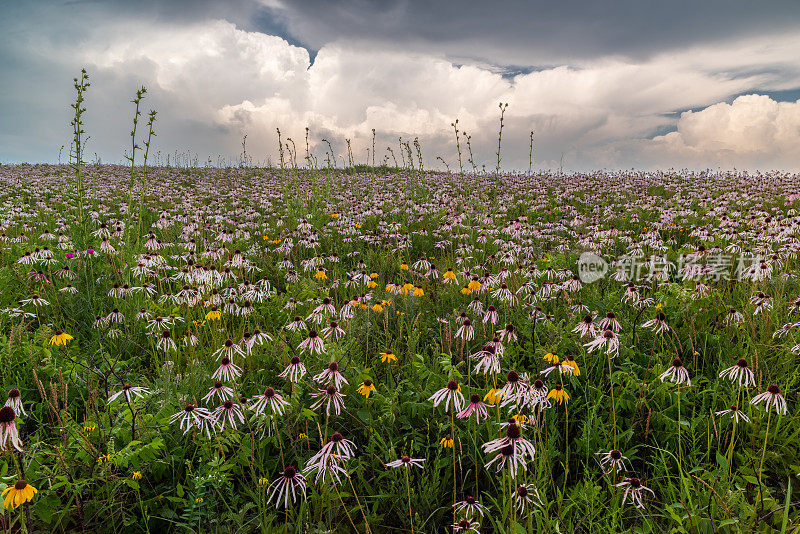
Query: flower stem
(408, 492)
(763, 450)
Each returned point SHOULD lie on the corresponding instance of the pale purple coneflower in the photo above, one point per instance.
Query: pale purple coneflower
(331, 374)
(561, 366)
(220, 391)
(469, 507)
(8, 429)
(329, 396)
(608, 340)
(491, 315)
(734, 318)
(658, 324)
(507, 333)
(507, 456)
(194, 417)
(297, 324)
(406, 461)
(227, 414)
(610, 322)
(289, 482)
(505, 295)
(166, 342)
(269, 399)
(514, 391)
(612, 460)
(771, 397)
(327, 460)
(260, 337)
(333, 330)
(228, 350)
(476, 407)
(129, 392)
(466, 525)
(514, 438)
(465, 331)
(476, 307)
(631, 293)
(677, 373)
(527, 496)
(734, 413)
(739, 373)
(587, 327)
(227, 370)
(326, 307)
(294, 371)
(488, 360)
(633, 491)
(537, 396)
(313, 344)
(15, 401)
(450, 393)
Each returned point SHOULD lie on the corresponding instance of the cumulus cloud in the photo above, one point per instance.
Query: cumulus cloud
(213, 81)
(752, 131)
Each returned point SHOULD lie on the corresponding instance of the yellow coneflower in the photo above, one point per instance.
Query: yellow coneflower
(658, 307)
(493, 396)
(104, 458)
(213, 315)
(276, 241)
(408, 286)
(373, 275)
(354, 303)
(446, 442)
(419, 292)
(137, 475)
(60, 338)
(263, 482)
(199, 323)
(392, 288)
(89, 427)
(334, 215)
(377, 308)
(551, 358)
(18, 494)
(363, 306)
(474, 285)
(366, 388)
(302, 435)
(572, 363)
(520, 418)
(558, 394)
(449, 275)
(321, 275)
(465, 290)
(371, 284)
(388, 356)
(403, 267)
(199, 500)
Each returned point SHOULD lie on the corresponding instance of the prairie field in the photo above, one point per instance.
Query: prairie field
(382, 349)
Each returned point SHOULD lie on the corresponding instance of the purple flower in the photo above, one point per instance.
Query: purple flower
(70, 255)
(90, 251)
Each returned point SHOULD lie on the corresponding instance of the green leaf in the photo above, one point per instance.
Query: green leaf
(722, 461)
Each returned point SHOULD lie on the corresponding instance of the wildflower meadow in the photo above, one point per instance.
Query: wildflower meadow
(315, 347)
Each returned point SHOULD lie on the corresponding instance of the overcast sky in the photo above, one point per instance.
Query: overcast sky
(607, 85)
